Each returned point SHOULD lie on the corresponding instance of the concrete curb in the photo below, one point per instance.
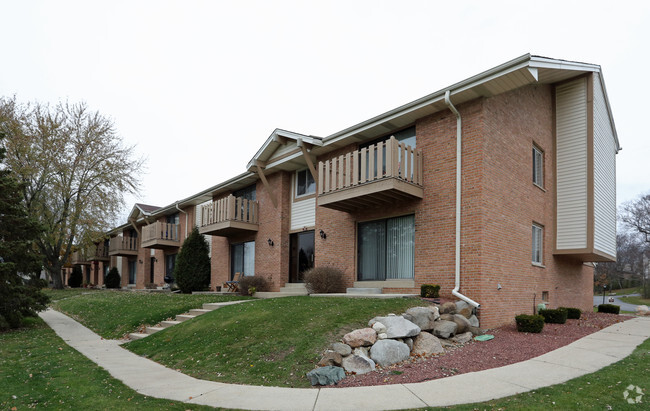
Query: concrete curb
(147, 377)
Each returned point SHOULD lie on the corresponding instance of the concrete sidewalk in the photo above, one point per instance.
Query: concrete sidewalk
(584, 356)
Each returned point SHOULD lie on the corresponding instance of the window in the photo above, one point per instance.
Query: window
(249, 193)
(538, 167)
(242, 259)
(406, 136)
(170, 264)
(538, 243)
(305, 183)
(133, 267)
(386, 249)
(545, 296)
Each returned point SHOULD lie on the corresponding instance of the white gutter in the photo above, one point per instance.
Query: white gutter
(186, 221)
(458, 198)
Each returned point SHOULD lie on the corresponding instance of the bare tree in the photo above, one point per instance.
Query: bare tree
(75, 172)
(636, 215)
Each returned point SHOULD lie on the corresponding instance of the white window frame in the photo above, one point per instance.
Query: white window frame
(538, 167)
(307, 175)
(537, 246)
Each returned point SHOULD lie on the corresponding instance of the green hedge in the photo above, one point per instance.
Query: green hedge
(572, 313)
(558, 316)
(609, 308)
(429, 291)
(529, 323)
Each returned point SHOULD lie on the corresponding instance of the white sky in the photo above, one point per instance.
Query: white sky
(199, 85)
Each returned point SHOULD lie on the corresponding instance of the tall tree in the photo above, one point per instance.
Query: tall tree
(18, 260)
(636, 215)
(74, 169)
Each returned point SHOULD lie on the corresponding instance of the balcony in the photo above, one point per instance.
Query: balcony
(100, 253)
(229, 216)
(161, 236)
(80, 257)
(123, 246)
(382, 174)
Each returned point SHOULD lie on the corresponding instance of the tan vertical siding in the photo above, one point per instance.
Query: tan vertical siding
(571, 129)
(604, 175)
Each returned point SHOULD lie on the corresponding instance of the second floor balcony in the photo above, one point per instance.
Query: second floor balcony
(161, 235)
(99, 252)
(382, 174)
(123, 246)
(80, 257)
(229, 216)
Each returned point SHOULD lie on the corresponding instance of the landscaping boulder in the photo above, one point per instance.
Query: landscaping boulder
(326, 375)
(463, 338)
(460, 305)
(342, 349)
(444, 329)
(423, 317)
(358, 364)
(426, 344)
(448, 308)
(379, 327)
(388, 352)
(330, 358)
(462, 322)
(397, 326)
(476, 331)
(473, 321)
(362, 351)
(382, 336)
(409, 342)
(642, 310)
(360, 338)
(465, 312)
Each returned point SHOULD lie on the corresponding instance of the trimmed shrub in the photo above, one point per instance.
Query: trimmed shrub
(322, 280)
(76, 278)
(529, 323)
(192, 270)
(112, 279)
(572, 313)
(609, 308)
(557, 316)
(248, 283)
(429, 291)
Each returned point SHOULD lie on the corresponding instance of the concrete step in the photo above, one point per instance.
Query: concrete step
(277, 294)
(165, 324)
(137, 336)
(198, 311)
(294, 289)
(151, 330)
(215, 306)
(184, 317)
(363, 290)
(294, 285)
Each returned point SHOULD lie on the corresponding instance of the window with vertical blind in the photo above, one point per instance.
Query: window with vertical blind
(386, 249)
(242, 259)
(538, 243)
(538, 167)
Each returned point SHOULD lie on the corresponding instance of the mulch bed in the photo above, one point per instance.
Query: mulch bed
(507, 347)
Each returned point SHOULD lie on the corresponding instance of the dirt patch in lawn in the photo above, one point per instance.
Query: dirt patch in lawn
(507, 347)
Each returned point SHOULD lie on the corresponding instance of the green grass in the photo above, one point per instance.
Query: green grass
(622, 291)
(601, 390)
(635, 300)
(56, 295)
(112, 314)
(264, 342)
(38, 370)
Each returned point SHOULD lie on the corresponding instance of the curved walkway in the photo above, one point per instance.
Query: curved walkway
(147, 377)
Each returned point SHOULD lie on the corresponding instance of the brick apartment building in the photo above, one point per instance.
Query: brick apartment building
(500, 188)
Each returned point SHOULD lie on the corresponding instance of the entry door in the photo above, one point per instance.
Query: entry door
(301, 256)
(152, 261)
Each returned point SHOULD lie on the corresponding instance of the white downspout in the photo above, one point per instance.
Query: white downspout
(458, 198)
(184, 212)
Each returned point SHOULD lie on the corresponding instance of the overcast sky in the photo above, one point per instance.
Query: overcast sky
(198, 86)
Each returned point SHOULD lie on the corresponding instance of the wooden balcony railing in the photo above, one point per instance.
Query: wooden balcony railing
(80, 257)
(161, 235)
(123, 246)
(100, 252)
(228, 216)
(380, 173)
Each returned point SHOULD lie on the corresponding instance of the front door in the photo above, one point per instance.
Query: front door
(301, 257)
(151, 269)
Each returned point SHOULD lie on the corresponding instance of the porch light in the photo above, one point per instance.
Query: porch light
(323, 235)
(270, 242)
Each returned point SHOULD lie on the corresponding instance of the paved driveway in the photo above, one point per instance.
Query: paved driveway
(624, 306)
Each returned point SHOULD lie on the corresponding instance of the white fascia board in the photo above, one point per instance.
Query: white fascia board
(609, 111)
(198, 198)
(283, 160)
(316, 141)
(549, 63)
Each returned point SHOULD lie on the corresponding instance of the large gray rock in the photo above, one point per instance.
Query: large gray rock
(360, 338)
(462, 322)
(397, 326)
(476, 331)
(388, 352)
(330, 358)
(423, 317)
(358, 364)
(465, 312)
(473, 321)
(460, 305)
(463, 338)
(426, 344)
(326, 375)
(448, 308)
(379, 327)
(342, 349)
(444, 329)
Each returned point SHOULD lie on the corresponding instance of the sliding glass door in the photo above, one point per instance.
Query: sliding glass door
(386, 249)
(242, 259)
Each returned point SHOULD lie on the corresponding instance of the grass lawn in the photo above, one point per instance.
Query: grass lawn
(264, 342)
(38, 370)
(112, 314)
(624, 291)
(56, 295)
(636, 300)
(601, 390)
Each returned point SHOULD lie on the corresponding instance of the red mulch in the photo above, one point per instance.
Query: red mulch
(507, 347)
